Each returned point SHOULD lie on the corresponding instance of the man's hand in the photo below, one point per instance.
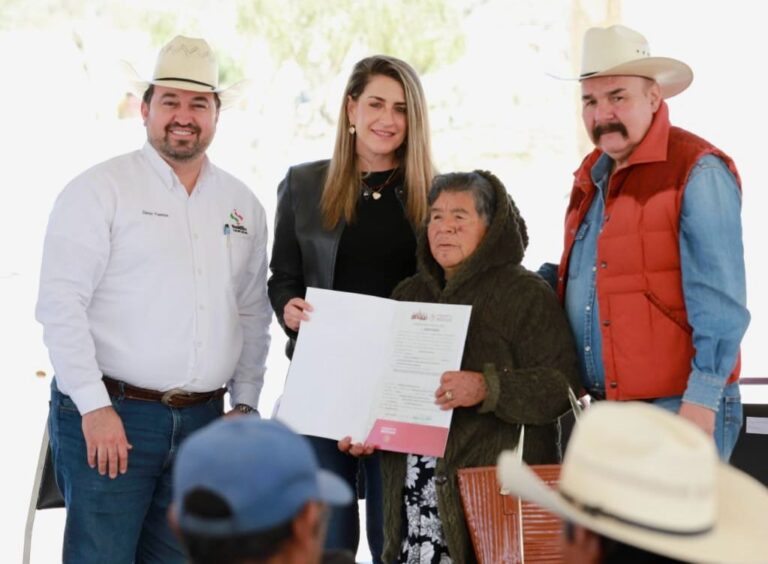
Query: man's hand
(460, 388)
(701, 416)
(106, 442)
(294, 313)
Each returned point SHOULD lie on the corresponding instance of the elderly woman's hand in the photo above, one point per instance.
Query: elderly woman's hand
(461, 388)
(356, 449)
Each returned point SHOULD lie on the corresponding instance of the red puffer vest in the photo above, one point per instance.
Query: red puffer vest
(647, 343)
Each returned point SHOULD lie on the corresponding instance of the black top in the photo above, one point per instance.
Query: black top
(378, 249)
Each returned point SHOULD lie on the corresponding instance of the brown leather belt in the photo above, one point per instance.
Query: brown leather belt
(172, 398)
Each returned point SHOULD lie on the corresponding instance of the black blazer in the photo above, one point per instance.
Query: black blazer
(303, 252)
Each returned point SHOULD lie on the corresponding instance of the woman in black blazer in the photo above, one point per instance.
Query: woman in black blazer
(349, 224)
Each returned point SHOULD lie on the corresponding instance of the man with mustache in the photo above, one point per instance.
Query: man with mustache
(652, 274)
(153, 303)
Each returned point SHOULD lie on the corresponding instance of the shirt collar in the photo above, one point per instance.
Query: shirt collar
(166, 173)
(601, 170)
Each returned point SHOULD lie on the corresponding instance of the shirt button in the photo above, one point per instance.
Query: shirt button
(588, 308)
(199, 271)
(614, 384)
(587, 348)
(594, 268)
(201, 307)
(603, 264)
(607, 322)
(441, 479)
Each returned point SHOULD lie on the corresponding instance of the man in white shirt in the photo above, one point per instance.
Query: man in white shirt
(153, 302)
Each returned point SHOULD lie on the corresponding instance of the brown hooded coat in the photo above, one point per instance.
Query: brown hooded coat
(520, 340)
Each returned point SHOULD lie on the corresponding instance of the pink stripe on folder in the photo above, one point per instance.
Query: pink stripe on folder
(411, 438)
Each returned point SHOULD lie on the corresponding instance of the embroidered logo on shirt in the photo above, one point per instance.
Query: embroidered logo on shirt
(237, 222)
(157, 214)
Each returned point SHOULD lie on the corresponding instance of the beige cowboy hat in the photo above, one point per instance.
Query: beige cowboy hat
(618, 50)
(187, 63)
(646, 477)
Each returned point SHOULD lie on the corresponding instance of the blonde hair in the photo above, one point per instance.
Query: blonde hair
(342, 185)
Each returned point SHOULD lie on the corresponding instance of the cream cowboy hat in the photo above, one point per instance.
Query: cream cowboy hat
(187, 63)
(618, 50)
(649, 478)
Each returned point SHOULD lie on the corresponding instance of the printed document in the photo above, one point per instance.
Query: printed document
(368, 368)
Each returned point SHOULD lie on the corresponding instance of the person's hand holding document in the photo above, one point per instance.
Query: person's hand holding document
(369, 368)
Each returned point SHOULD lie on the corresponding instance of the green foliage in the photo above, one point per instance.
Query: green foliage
(22, 13)
(318, 35)
(159, 22)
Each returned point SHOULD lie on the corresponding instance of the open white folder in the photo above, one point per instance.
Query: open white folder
(368, 368)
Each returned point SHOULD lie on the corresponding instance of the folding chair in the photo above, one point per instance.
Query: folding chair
(45, 491)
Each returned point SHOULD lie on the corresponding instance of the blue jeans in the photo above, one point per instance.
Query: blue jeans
(728, 418)
(122, 520)
(344, 524)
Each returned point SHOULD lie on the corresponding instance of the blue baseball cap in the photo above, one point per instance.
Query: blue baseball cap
(263, 470)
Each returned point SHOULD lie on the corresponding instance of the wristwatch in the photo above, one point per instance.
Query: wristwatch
(244, 408)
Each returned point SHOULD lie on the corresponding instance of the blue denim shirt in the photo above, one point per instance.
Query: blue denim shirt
(714, 287)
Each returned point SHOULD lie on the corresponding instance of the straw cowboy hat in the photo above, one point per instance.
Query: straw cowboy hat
(187, 63)
(647, 477)
(618, 50)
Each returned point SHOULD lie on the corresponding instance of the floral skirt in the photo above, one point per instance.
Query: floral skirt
(424, 542)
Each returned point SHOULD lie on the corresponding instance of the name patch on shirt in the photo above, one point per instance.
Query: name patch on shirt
(154, 213)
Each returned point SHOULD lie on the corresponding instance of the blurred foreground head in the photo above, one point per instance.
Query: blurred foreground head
(248, 490)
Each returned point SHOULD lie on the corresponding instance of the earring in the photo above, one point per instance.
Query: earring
(351, 129)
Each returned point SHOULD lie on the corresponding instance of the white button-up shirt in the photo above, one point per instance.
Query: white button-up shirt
(149, 285)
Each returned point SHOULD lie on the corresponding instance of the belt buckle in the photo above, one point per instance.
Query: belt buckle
(170, 394)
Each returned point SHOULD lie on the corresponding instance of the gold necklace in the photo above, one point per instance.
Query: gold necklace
(375, 192)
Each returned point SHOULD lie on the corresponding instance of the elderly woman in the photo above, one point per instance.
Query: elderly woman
(519, 361)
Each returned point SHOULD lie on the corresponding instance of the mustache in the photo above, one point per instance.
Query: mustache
(613, 127)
